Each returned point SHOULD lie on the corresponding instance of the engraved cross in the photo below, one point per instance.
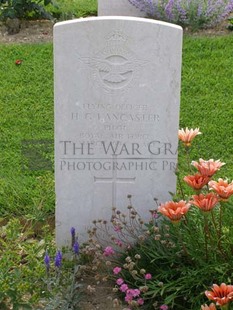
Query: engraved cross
(114, 180)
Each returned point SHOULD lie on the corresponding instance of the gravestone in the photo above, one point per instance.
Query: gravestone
(117, 93)
(118, 8)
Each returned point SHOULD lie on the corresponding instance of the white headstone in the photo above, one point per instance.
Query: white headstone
(118, 8)
(117, 93)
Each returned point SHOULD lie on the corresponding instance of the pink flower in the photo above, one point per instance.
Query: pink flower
(119, 243)
(222, 294)
(155, 215)
(128, 298)
(116, 270)
(163, 307)
(174, 210)
(205, 202)
(187, 135)
(148, 276)
(196, 181)
(133, 292)
(129, 292)
(207, 167)
(108, 251)
(222, 188)
(140, 301)
(124, 288)
(119, 281)
(117, 228)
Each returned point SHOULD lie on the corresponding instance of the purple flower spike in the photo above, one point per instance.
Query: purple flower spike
(58, 259)
(195, 14)
(72, 231)
(76, 247)
(47, 261)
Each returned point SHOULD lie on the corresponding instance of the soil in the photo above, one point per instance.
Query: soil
(41, 31)
(38, 31)
(101, 298)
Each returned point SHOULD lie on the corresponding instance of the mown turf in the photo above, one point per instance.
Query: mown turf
(26, 105)
(207, 96)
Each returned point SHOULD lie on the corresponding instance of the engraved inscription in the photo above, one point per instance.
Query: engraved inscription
(124, 106)
(114, 67)
(117, 148)
(123, 117)
(109, 165)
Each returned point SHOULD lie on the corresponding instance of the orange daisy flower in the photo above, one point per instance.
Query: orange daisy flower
(187, 135)
(210, 307)
(222, 294)
(207, 167)
(205, 202)
(196, 181)
(222, 188)
(174, 210)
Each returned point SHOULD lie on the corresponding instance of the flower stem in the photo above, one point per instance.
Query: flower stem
(224, 254)
(180, 186)
(220, 224)
(217, 233)
(214, 222)
(187, 152)
(206, 229)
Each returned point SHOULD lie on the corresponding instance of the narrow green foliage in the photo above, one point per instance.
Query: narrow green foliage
(26, 281)
(230, 24)
(21, 264)
(172, 261)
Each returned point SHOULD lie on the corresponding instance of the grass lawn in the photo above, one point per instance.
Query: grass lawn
(26, 104)
(63, 9)
(207, 97)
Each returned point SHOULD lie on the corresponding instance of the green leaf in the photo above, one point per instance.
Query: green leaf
(46, 2)
(25, 306)
(3, 306)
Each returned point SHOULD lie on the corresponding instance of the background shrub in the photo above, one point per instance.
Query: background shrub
(193, 13)
(23, 9)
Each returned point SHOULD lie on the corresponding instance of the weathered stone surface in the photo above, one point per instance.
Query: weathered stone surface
(118, 8)
(117, 93)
